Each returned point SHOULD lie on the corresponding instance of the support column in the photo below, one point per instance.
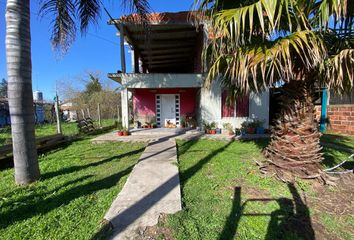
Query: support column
(122, 49)
(125, 108)
(323, 121)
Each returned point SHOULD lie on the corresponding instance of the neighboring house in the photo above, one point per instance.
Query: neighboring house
(39, 112)
(167, 79)
(69, 112)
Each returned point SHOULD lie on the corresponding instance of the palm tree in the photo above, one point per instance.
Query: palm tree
(256, 44)
(19, 68)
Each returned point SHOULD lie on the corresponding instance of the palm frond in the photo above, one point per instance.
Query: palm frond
(63, 24)
(141, 7)
(261, 17)
(339, 70)
(88, 11)
(326, 9)
(255, 67)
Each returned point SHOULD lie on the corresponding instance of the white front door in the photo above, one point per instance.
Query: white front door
(168, 108)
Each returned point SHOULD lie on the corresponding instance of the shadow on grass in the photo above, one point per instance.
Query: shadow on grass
(291, 219)
(8, 162)
(330, 159)
(46, 205)
(68, 170)
(341, 141)
(36, 195)
(129, 215)
(261, 143)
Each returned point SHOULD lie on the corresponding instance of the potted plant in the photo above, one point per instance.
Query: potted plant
(213, 128)
(120, 133)
(259, 126)
(228, 128)
(248, 127)
(125, 132)
(183, 121)
(237, 131)
(206, 127)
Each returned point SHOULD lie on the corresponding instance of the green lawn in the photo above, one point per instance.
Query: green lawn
(68, 129)
(225, 196)
(345, 141)
(79, 182)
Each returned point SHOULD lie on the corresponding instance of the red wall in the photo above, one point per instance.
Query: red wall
(340, 118)
(144, 100)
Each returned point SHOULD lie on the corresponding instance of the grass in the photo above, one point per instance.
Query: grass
(68, 129)
(219, 181)
(344, 141)
(77, 186)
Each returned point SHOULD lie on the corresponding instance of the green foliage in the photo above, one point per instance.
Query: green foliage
(93, 86)
(252, 123)
(256, 43)
(228, 127)
(209, 126)
(3, 88)
(79, 183)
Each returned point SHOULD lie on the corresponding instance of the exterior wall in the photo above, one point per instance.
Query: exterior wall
(144, 105)
(259, 107)
(211, 106)
(161, 80)
(340, 118)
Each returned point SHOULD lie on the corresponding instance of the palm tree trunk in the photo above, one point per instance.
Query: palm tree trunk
(295, 148)
(19, 71)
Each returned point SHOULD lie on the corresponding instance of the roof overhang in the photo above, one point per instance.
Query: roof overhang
(169, 40)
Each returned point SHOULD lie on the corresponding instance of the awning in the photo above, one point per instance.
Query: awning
(171, 42)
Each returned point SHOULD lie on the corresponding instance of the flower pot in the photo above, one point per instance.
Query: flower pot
(120, 133)
(125, 133)
(251, 130)
(213, 131)
(260, 130)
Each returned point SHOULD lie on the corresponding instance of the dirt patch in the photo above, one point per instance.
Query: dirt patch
(157, 231)
(337, 201)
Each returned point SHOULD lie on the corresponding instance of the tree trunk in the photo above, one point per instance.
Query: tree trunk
(294, 150)
(20, 96)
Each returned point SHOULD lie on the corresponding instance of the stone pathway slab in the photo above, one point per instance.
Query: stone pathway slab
(152, 188)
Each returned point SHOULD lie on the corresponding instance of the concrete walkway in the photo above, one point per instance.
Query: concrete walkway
(152, 188)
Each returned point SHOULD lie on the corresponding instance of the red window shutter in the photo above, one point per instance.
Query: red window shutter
(228, 110)
(242, 104)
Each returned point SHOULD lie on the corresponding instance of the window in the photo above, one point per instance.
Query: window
(236, 109)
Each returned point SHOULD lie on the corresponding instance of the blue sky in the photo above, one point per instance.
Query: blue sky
(97, 51)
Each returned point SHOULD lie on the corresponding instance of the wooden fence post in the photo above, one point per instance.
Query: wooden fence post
(83, 114)
(57, 114)
(99, 114)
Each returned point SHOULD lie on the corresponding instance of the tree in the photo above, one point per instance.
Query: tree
(93, 86)
(306, 44)
(19, 68)
(3, 88)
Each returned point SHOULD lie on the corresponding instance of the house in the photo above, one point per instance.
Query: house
(69, 111)
(167, 79)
